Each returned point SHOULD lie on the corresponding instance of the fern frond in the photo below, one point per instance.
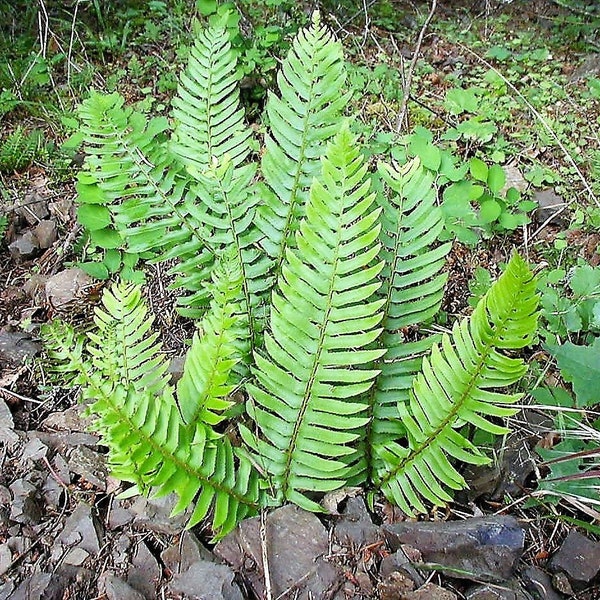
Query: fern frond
(306, 398)
(454, 388)
(151, 447)
(303, 119)
(210, 121)
(412, 287)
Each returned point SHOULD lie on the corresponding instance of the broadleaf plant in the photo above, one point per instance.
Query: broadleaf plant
(313, 289)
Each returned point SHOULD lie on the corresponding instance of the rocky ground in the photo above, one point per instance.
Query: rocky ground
(65, 533)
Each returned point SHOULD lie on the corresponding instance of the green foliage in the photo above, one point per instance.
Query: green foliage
(570, 303)
(307, 274)
(20, 149)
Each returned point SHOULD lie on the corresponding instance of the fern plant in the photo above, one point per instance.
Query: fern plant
(306, 280)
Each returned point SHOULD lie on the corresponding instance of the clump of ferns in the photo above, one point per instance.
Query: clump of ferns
(303, 275)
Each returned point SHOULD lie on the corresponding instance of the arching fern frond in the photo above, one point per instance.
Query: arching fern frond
(306, 401)
(302, 120)
(412, 287)
(139, 421)
(455, 388)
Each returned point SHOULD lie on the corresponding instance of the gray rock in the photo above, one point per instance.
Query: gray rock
(82, 529)
(188, 550)
(119, 516)
(296, 544)
(484, 549)
(538, 583)
(394, 586)
(589, 67)
(175, 370)
(34, 449)
(355, 527)
(144, 572)
(26, 503)
(578, 557)
(53, 487)
(67, 287)
(76, 557)
(15, 347)
(514, 179)
(46, 233)
(402, 562)
(551, 208)
(206, 580)
(24, 247)
(6, 590)
(5, 558)
(71, 419)
(8, 436)
(117, 589)
(34, 207)
(155, 514)
(41, 586)
(90, 465)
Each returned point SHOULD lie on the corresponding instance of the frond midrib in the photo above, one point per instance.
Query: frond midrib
(450, 417)
(316, 360)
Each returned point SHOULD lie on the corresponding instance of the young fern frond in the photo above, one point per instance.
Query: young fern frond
(454, 388)
(302, 120)
(210, 121)
(306, 400)
(412, 287)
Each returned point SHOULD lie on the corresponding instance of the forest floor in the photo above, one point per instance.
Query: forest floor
(515, 84)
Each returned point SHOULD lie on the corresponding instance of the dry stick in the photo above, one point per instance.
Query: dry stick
(265, 556)
(411, 68)
(540, 118)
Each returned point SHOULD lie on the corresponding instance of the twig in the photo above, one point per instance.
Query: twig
(265, 556)
(411, 68)
(540, 118)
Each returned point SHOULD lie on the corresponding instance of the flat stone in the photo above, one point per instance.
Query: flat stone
(76, 557)
(206, 580)
(394, 586)
(578, 557)
(538, 583)
(5, 558)
(355, 526)
(119, 516)
(144, 572)
(34, 207)
(117, 589)
(46, 233)
(90, 465)
(483, 549)
(8, 436)
(6, 590)
(430, 591)
(67, 287)
(82, 529)
(550, 208)
(41, 586)
(183, 553)
(24, 247)
(16, 347)
(71, 419)
(514, 179)
(296, 544)
(155, 514)
(26, 504)
(589, 67)
(402, 562)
